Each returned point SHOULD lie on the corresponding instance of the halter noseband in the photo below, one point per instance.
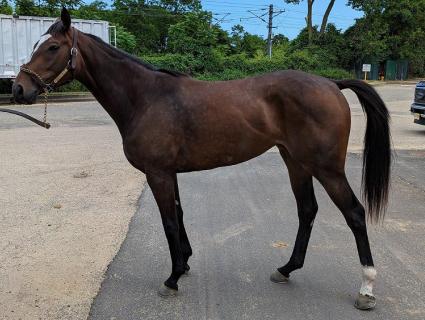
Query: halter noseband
(49, 87)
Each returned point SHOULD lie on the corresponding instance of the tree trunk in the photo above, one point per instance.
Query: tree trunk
(310, 21)
(325, 17)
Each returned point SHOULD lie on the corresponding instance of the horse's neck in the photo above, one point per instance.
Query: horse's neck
(117, 83)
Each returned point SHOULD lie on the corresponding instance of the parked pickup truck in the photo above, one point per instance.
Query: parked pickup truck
(418, 106)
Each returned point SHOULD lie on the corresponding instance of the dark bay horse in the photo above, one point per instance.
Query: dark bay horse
(171, 123)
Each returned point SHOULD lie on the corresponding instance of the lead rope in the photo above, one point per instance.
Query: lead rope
(46, 87)
(46, 124)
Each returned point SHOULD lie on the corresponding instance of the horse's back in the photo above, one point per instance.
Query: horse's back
(210, 124)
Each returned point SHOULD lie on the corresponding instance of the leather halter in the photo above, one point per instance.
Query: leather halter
(49, 87)
(70, 67)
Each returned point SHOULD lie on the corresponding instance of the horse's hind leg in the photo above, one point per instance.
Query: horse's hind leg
(339, 190)
(302, 186)
(184, 240)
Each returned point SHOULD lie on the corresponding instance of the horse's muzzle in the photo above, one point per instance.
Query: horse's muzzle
(20, 95)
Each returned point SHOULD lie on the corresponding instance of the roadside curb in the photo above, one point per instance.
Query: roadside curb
(6, 99)
(383, 83)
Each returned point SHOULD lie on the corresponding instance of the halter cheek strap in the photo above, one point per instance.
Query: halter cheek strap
(70, 67)
(49, 87)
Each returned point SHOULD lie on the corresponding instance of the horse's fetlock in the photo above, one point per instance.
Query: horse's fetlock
(297, 263)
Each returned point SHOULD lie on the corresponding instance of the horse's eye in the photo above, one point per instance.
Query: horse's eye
(53, 47)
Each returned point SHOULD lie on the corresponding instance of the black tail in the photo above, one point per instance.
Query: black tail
(377, 148)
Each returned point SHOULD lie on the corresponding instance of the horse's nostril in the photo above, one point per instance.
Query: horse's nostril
(18, 91)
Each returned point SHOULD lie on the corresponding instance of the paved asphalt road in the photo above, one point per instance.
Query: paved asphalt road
(236, 217)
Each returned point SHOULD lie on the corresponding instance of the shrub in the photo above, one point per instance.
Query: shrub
(334, 73)
(302, 60)
(74, 86)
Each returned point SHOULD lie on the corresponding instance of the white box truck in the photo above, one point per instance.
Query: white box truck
(19, 34)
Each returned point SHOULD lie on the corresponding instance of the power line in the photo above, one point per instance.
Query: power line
(271, 15)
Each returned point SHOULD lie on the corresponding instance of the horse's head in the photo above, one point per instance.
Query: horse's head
(52, 55)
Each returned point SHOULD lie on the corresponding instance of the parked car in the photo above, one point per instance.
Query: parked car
(418, 106)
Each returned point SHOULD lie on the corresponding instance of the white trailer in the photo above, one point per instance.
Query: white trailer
(19, 34)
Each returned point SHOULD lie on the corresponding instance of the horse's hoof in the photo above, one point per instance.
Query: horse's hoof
(167, 292)
(365, 302)
(277, 277)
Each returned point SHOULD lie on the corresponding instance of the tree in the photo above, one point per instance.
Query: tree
(148, 23)
(125, 40)
(97, 10)
(44, 7)
(178, 5)
(5, 7)
(309, 18)
(53, 6)
(237, 38)
(193, 34)
(252, 44)
(26, 8)
(326, 17)
(280, 39)
(391, 29)
(244, 42)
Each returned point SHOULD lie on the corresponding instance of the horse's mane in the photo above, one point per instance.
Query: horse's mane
(58, 27)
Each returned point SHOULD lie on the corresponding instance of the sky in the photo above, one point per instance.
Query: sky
(230, 12)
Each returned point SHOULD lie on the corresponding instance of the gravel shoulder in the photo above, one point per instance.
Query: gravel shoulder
(67, 196)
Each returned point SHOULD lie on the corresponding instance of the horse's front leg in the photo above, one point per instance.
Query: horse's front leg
(162, 186)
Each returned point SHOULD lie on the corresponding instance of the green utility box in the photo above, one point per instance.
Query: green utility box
(396, 69)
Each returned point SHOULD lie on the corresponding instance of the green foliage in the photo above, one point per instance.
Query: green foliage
(414, 51)
(178, 62)
(5, 7)
(303, 59)
(244, 42)
(367, 39)
(391, 29)
(27, 8)
(193, 34)
(44, 7)
(74, 86)
(96, 10)
(178, 5)
(180, 35)
(334, 73)
(126, 40)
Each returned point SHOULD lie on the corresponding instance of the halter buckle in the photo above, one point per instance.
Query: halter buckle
(49, 88)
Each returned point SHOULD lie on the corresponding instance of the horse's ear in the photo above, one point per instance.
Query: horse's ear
(66, 18)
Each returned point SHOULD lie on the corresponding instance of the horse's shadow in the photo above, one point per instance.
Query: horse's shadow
(234, 256)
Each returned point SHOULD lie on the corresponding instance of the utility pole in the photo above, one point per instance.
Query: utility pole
(272, 14)
(269, 37)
